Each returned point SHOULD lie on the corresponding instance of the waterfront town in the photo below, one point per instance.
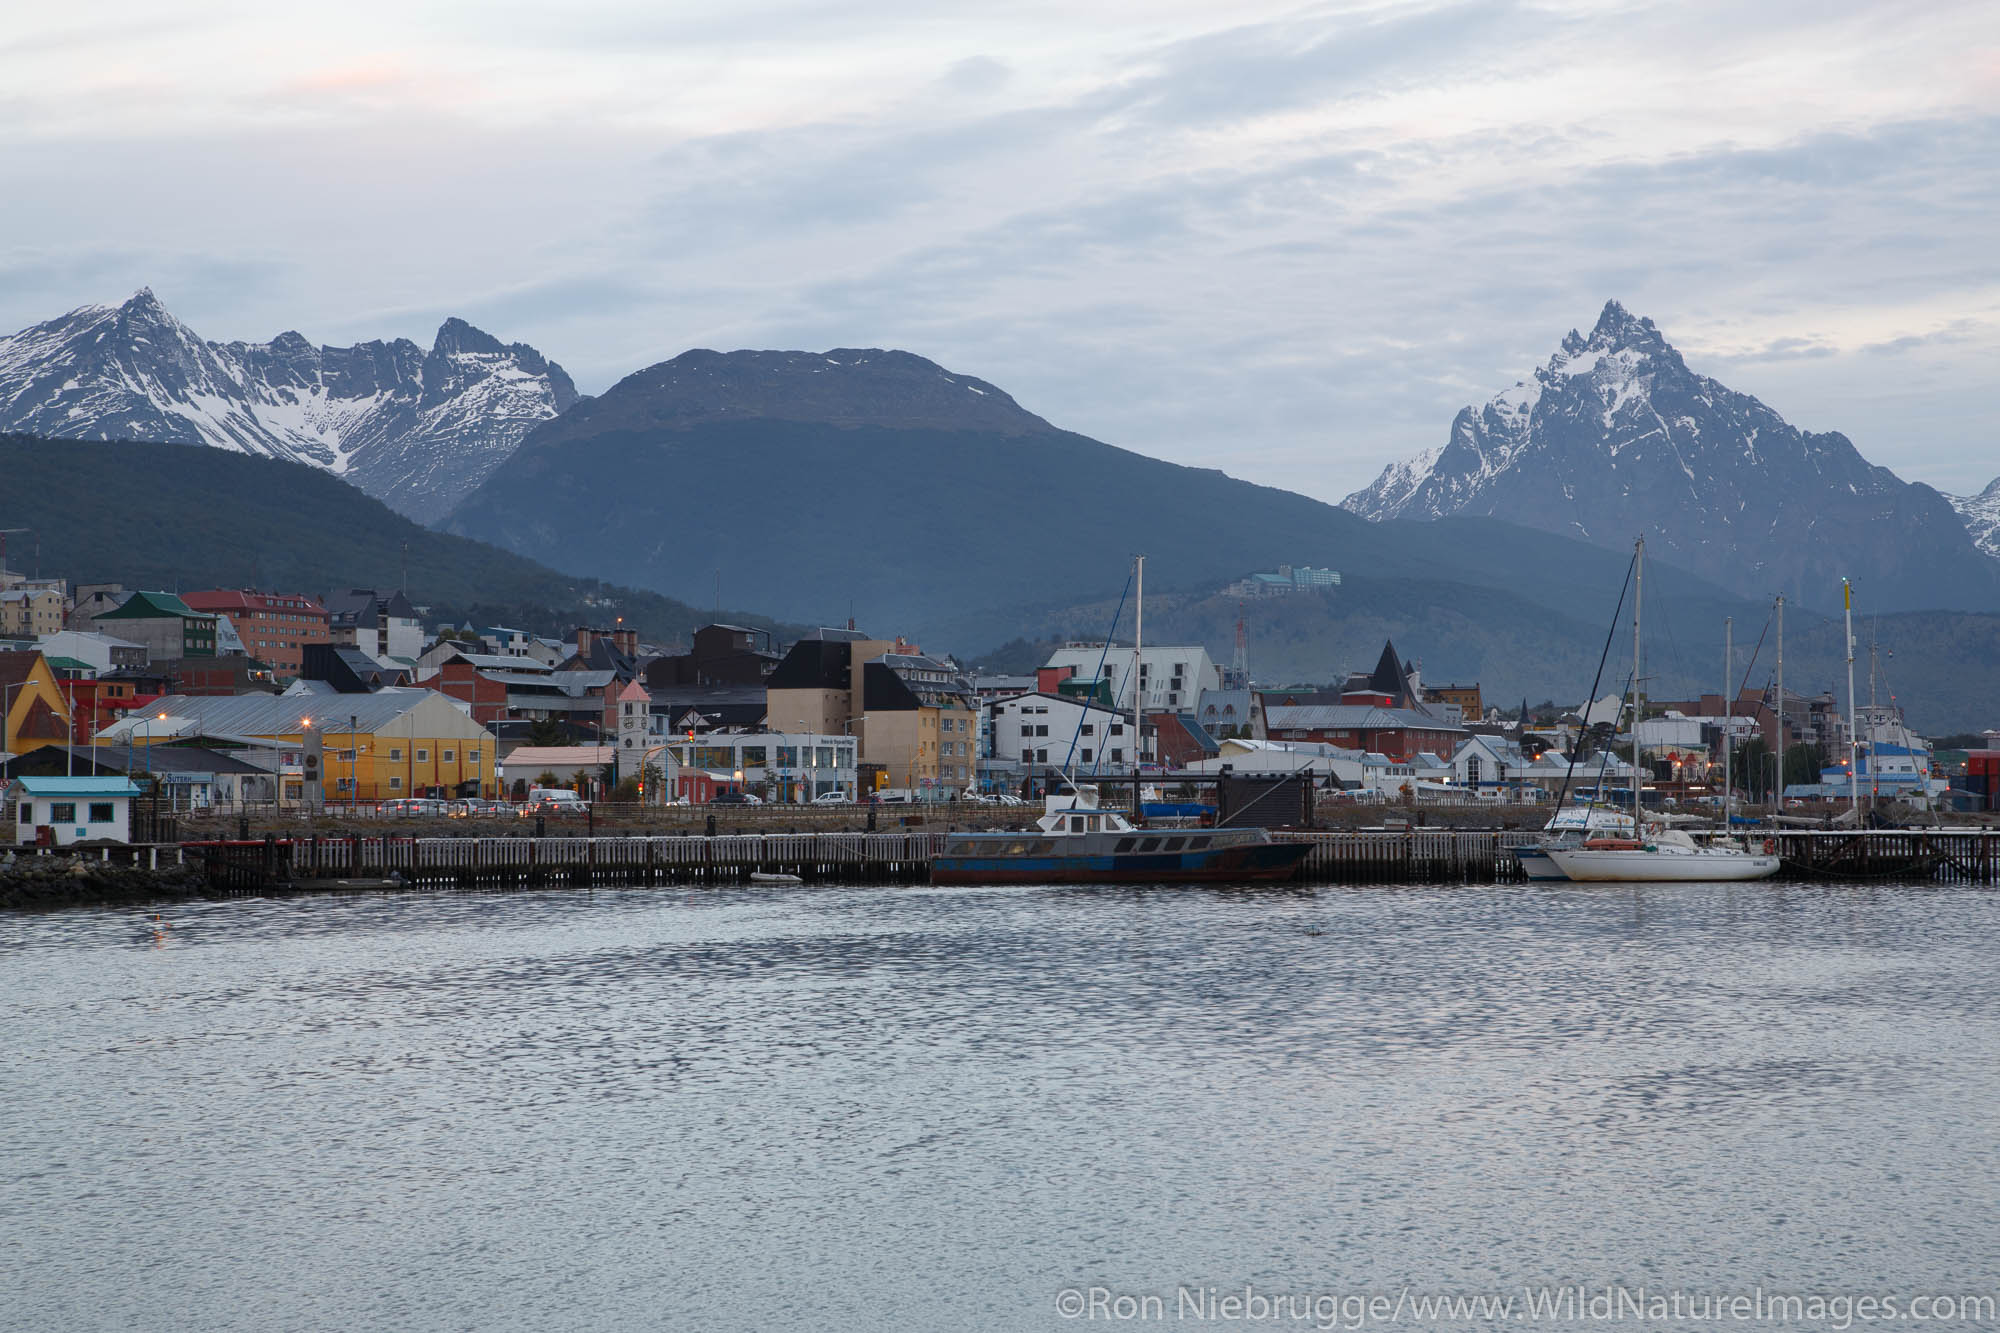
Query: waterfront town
(354, 699)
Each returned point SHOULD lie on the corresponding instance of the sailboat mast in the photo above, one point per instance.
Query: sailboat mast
(1638, 594)
(1874, 724)
(1853, 735)
(1728, 706)
(1778, 779)
(1138, 686)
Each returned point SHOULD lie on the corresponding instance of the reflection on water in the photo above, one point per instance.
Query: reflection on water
(912, 1108)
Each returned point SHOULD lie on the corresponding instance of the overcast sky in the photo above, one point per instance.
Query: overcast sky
(1289, 241)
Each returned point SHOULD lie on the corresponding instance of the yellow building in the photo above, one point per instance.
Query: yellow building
(370, 747)
(33, 711)
(30, 612)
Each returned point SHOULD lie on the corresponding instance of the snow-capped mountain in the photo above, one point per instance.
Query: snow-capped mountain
(1615, 436)
(1981, 514)
(415, 429)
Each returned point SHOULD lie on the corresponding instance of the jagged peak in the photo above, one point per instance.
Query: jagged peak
(456, 335)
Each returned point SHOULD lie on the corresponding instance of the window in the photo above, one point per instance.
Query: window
(1042, 729)
(1090, 728)
(1118, 728)
(395, 783)
(100, 812)
(1117, 756)
(1125, 844)
(472, 756)
(449, 756)
(423, 754)
(395, 752)
(62, 812)
(1472, 768)
(1027, 729)
(1041, 756)
(1150, 845)
(1086, 756)
(27, 812)
(754, 756)
(1175, 844)
(1076, 823)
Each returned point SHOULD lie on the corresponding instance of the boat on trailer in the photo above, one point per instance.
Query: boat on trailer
(1077, 842)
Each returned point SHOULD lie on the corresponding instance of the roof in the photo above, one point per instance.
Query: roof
(152, 606)
(1319, 717)
(1071, 700)
(165, 758)
(68, 664)
(14, 667)
(88, 786)
(529, 756)
(277, 714)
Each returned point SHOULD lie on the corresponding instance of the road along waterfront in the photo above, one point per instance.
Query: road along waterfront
(906, 1108)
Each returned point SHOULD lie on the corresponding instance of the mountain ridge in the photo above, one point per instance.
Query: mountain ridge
(415, 428)
(1614, 435)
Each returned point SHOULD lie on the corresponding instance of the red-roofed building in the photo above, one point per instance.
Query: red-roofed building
(274, 627)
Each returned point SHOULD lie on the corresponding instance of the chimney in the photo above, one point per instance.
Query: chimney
(626, 641)
(584, 635)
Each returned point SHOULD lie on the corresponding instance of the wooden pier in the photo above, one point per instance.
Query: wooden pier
(1412, 856)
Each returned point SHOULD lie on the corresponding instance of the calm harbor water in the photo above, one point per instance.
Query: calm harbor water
(894, 1108)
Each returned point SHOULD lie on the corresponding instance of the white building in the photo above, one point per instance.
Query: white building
(102, 651)
(1171, 678)
(73, 809)
(1052, 733)
(782, 767)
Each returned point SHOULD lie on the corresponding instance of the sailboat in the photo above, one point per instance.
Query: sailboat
(1664, 854)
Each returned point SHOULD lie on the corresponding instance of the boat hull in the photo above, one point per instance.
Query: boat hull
(1253, 862)
(1536, 865)
(1643, 867)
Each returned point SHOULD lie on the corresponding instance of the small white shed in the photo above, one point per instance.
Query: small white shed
(75, 809)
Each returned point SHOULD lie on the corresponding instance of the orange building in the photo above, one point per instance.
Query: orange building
(274, 627)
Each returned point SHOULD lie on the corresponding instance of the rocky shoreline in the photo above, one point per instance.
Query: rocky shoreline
(28, 883)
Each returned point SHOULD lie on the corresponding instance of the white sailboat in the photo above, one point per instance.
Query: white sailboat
(1662, 855)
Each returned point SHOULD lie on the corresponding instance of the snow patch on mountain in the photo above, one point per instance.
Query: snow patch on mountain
(415, 429)
(1615, 435)
(1981, 515)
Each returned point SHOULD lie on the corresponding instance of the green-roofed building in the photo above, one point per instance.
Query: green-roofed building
(168, 627)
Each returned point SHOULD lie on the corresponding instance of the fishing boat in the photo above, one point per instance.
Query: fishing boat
(1076, 842)
(1570, 827)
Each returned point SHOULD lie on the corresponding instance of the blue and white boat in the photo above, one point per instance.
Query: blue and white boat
(1571, 826)
(1075, 842)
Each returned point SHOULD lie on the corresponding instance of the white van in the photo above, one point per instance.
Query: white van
(554, 801)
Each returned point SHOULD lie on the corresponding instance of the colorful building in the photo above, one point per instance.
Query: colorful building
(167, 626)
(34, 711)
(394, 742)
(275, 627)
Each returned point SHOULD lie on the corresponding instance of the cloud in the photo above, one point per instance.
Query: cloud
(1291, 243)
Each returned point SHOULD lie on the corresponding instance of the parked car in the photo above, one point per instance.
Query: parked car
(554, 801)
(833, 798)
(735, 798)
(415, 805)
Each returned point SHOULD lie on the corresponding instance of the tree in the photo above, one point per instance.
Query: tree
(546, 731)
(1803, 763)
(1750, 768)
